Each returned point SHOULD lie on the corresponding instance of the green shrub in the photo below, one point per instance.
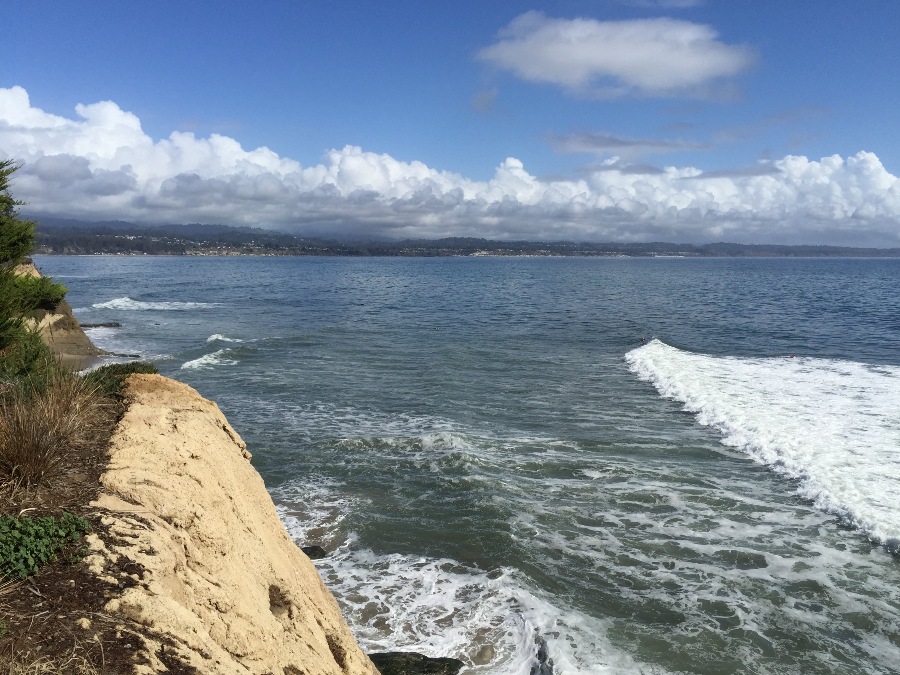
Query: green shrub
(16, 236)
(39, 292)
(27, 543)
(19, 294)
(11, 309)
(108, 380)
(26, 357)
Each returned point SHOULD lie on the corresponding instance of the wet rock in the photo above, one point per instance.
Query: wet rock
(484, 655)
(543, 663)
(411, 663)
(106, 324)
(314, 552)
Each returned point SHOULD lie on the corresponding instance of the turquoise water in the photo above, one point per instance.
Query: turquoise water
(492, 454)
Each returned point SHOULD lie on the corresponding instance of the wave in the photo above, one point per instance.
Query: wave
(218, 337)
(490, 619)
(830, 424)
(217, 358)
(128, 304)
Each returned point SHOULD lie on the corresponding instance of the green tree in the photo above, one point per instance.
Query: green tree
(20, 348)
(16, 236)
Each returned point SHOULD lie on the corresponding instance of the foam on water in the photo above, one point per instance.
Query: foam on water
(218, 337)
(106, 338)
(128, 304)
(719, 565)
(121, 343)
(314, 511)
(488, 618)
(217, 358)
(831, 424)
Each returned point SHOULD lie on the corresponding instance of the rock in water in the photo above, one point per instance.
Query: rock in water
(543, 663)
(314, 552)
(411, 663)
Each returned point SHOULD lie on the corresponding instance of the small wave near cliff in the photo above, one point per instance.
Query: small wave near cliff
(218, 337)
(227, 356)
(438, 606)
(830, 424)
(211, 360)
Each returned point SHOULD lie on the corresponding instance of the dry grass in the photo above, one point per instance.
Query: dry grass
(41, 426)
(74, 663)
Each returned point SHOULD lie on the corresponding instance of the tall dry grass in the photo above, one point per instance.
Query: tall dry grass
(40, 426)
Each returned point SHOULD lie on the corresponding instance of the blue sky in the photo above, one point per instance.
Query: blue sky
(606, 119)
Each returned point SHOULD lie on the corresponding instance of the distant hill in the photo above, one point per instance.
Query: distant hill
(60, 236)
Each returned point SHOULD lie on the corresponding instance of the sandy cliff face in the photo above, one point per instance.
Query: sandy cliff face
(220, 578)
(61, 331)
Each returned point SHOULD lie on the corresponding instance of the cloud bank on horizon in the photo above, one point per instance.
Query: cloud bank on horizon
(101, 165)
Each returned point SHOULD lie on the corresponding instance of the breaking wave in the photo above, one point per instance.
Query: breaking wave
(129, 304)
(830, 424)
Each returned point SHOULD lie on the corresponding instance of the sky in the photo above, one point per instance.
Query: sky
(590, 120)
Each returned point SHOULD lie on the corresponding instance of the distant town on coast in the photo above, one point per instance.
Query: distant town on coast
(57, 236)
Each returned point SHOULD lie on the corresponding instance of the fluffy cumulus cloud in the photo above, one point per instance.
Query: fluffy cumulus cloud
(645, 57)
(101, 165)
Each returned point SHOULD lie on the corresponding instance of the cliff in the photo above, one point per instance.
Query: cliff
(212, 574)
(190, 570)
(61, 331)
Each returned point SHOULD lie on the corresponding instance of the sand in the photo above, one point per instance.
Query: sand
(217, 577)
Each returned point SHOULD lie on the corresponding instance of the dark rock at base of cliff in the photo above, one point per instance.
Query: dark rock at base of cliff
(314, 552)
(107, 324)
(411, 663)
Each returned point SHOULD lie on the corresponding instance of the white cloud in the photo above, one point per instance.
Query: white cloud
(101, 165)
(647, 57)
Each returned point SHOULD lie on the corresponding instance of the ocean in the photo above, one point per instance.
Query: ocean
(661, 465)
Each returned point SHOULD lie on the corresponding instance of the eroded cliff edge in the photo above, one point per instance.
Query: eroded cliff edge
(60, 329)
(213, 576)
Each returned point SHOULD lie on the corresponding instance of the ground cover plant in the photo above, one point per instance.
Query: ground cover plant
(109, 380)
(27, 543)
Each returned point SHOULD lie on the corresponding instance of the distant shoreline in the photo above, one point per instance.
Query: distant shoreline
(893, 255)
(71, 237)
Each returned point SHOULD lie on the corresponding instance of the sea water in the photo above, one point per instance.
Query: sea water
(647, 465)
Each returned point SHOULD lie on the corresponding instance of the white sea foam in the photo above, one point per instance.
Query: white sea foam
(490, 619)
(218, 337)
(438, 607)
(104, 337)
(831, 424)
(128, 304)
(313, 511)
(422, 437)
(217, 358)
